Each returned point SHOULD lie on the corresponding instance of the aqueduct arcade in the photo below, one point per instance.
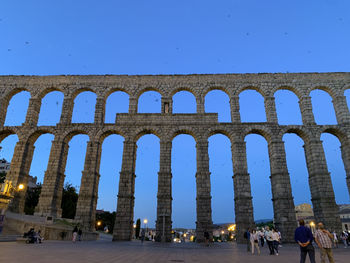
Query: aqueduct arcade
(166, 126)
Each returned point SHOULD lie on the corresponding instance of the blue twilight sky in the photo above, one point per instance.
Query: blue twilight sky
(178, 37)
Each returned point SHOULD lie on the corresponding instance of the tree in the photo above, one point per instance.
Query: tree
(138, 227)
(69, 201)
(32, 199)
(2, 177)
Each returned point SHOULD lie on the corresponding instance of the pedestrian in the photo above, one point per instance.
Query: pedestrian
(246, 235)
(80, 233)
(269, 240)
(206, 238)
(343, 237)
(261, 236)
(75, 232)
(254, 241)
(335, 239)
(275, 240)
(324, 241)
(303, 236)
(143, 233)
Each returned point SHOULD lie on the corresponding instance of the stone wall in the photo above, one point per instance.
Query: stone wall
(166, 126)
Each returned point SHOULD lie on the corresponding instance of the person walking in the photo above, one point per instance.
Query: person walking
(275, 240)
(246, 235)
(335, 239)
(303, 236)
(80, 233)
(206, 238)
(324, 241)
(143, 233)
(254, 241)
(269, 240)
(75, 233)
(343, 237)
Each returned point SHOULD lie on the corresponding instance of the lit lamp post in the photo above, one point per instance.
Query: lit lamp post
(99, 224)
(145, 221)
(312, 226)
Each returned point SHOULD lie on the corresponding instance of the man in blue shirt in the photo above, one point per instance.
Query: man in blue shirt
(303, 236)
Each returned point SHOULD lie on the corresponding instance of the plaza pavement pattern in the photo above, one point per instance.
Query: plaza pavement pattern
(105, 251)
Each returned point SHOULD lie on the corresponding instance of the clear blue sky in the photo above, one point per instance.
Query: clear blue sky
(179, 37)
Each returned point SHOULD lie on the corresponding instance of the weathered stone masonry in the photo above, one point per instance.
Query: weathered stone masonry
(166, 126)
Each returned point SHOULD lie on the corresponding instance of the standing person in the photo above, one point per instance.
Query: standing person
(75, 232)
(80, 232)
(269, 240)
(343, 238)
(335, 239)
(254, 241)
(275, 240)
(246, 235)
(143, 233)
(303, 236)
(324, 241)
(261, 236)
(206, 238)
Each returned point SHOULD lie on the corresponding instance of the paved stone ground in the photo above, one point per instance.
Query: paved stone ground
(105, 251)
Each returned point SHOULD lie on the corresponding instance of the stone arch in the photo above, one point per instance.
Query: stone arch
(295, 109)
(46, 91)
(67, 136)
(144, 131)
(337, 132)
(221, 88)
(5, 102)
(183, 88)
(103, 134)
(186, 90)
(332, 109)
(109, 108)
(92, 108)
(268, 136)
(108, 92)
(144, 90)
(329, 90)
(222, 106)
(251, 87)
(295, 90)
(302, 133)
(183, 130)
(41, 96)
(7, 132)
(243, 108)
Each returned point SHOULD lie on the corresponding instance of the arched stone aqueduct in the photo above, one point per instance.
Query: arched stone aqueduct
(166, 126)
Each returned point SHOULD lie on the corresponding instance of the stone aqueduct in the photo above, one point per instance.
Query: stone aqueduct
(166, 126)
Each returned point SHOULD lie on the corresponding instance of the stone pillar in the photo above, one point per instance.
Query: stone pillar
(164, 196)
(51, 192)
(283, 204)
(167, 105)
(132, 105)
(204, 219)
(345, 152)
(3, 110)
(341, 109)
(270, 108)
(123, 227)
(88, 194)
(306, 110)
(33, 112)
(19, 174)
(67, 110)
(100, 110)
(242, 189)
(200, 104)
(322, 194)
(234, 105)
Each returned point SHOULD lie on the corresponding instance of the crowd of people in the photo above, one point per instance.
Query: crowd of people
(257, 238)
(325, 240)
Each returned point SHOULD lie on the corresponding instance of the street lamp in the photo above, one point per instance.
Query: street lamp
(145, 221)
